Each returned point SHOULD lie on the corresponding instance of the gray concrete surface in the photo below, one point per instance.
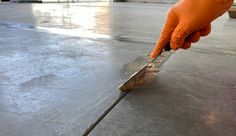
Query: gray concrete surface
(60, 65)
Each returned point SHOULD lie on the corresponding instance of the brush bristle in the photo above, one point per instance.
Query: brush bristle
(147, 77)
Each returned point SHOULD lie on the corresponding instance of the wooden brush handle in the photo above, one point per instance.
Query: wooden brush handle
(167, 48)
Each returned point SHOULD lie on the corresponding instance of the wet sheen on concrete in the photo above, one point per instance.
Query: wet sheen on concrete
(60, 65)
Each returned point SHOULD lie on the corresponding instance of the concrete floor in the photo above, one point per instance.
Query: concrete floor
(60, 65)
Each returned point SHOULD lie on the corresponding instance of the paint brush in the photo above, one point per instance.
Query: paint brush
(144, 75)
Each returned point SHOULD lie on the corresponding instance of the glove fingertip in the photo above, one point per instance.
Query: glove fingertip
(153, 55)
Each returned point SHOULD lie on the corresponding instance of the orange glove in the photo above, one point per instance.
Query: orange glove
(187, 20)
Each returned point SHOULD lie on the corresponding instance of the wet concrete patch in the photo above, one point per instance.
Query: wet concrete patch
(18, 26)
(77, 32)
(132, 67)
(44, 80)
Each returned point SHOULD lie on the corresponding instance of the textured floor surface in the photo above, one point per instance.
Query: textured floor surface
(60, 65)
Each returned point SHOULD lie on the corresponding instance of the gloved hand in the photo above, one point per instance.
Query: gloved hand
(187, 20)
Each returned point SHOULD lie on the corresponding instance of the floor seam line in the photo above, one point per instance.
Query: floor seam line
(104, 114)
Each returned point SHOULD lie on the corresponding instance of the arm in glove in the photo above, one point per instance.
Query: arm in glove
(187, 20)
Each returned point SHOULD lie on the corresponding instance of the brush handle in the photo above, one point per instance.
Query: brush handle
(167, 48)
